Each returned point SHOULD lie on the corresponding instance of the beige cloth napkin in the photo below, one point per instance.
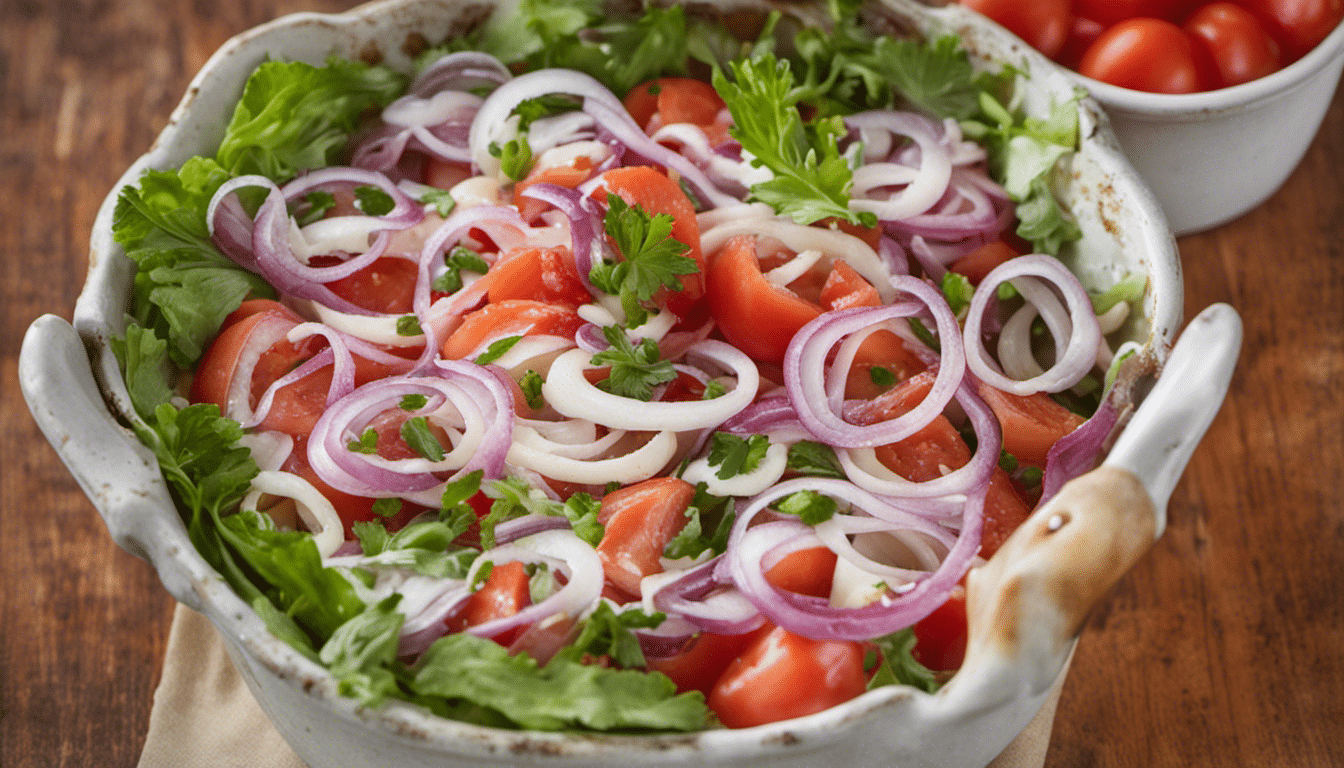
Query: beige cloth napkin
(205, 717)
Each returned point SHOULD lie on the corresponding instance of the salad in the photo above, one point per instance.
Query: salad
(618, 372)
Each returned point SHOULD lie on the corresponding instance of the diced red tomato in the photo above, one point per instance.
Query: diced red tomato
(981, 261)
(540, 274)
(504, 593)
(652, 190)
(515, 317)
(938, 447)
(940, 637)
(678, 100)
(755, 316)
(1031, 424)
(640, 520)
(1005, 511)
(214, 372)
(782, 675)
(845, 289)
(807, 572)
(384, 286)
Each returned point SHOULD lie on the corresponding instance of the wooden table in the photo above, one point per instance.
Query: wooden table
(1224, 646)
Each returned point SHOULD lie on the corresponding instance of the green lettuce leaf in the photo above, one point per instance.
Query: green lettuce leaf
(476, 679)
(184, 287)
(295, 117)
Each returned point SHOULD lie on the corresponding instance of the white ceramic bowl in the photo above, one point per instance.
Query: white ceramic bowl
(1027, 605)
(1211, 157)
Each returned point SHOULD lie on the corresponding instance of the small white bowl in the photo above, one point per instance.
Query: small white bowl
(1210, 157)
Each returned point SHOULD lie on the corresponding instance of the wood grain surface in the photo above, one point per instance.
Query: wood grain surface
(1224, 646)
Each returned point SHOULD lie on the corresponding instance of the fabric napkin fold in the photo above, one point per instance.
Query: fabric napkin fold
(204, 716)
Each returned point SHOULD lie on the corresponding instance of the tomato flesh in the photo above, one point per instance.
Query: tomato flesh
(783, 675)
(640, 520)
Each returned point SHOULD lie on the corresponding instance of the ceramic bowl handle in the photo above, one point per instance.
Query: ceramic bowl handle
(1160, 438)
(118, 473)
(1030, 601)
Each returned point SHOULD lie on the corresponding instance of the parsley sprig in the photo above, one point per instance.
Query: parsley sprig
(651, 258)
(635, 368)
(811, 178)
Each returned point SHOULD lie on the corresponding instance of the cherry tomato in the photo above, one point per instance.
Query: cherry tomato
(1146, 55)
(1109, 12)
(1299, 25)
(783, 675)
(1238, 44)
(1042, 24)
(1082, 34)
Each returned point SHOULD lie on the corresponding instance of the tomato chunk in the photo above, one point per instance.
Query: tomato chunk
(755, 316)
(515, 317)
(640, 521)
(782, 675)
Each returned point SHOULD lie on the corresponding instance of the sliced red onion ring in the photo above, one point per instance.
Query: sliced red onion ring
(600, 103)
(921, 187)
(749, 545)
(1078, 343)
(805, 369)
(586, 242)
(703, 596)
(483, 403)
(460, 71)
(572, 395)
(968, 479)
(1077, 452)
(510, 531)
(566, 553)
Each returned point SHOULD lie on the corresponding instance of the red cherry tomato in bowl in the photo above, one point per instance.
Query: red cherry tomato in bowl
(1043, 24)
(1145, 55)
(1238, 44)
(1298, 25)
(1110, 12)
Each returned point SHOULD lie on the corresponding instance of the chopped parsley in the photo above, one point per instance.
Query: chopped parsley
(635, 369)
